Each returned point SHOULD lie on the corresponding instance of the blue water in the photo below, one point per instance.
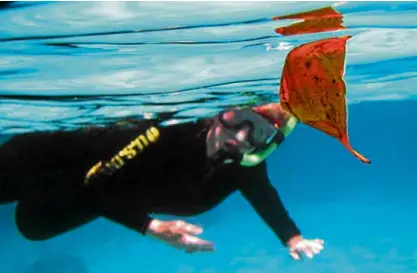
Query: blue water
(68, 64)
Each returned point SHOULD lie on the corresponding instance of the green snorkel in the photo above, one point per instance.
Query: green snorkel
(254, 159)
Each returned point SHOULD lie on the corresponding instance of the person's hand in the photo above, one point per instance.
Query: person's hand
(298, 246)
(180, 234)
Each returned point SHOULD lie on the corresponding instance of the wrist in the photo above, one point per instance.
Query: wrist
(154, 226)
(293, 241)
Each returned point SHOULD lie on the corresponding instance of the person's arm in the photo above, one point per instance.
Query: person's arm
(124, 207)
(120, 204)
(264, 198)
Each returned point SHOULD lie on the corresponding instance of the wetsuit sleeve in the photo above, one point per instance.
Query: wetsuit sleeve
(264, 198)
(123, 207)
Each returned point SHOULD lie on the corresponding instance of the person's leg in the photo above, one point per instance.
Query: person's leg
(10, 176)
(8, 190)
(48, 215)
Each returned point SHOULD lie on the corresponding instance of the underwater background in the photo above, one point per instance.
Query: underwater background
(69, 64)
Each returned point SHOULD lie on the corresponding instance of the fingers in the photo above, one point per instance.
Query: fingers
(187, 239)
(307, 252)
(317, 246)
(193, 244)
(319, 241)
(308, 248)
(183, 227)
(181, 235)
(295, 255)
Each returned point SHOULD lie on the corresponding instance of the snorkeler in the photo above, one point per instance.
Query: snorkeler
(125, 172)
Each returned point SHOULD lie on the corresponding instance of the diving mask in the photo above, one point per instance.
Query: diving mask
(240, 132)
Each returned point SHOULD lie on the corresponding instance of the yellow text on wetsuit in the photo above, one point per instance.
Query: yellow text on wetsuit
(129, 152)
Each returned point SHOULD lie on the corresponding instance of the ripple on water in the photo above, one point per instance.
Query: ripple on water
(69, 64)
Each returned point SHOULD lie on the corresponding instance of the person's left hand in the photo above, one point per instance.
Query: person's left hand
(298, 246)
(180, 234)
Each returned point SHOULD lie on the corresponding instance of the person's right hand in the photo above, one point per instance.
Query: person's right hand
(180, 234)
(298, 246)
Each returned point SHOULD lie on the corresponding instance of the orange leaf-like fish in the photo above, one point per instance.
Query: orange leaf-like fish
(313, 89)
(318, 20)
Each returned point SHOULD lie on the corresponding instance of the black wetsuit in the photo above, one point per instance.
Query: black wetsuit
(45, 173)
